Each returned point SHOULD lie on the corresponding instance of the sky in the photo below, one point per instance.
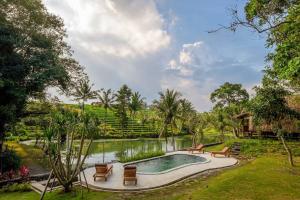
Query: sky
(152, 45)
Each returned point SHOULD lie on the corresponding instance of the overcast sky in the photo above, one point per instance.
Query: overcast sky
(151, 45)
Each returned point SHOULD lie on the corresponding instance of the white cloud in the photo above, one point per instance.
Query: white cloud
(121, 28)
(129, 42)
(198, 70)
(185, 57)
(118, 41)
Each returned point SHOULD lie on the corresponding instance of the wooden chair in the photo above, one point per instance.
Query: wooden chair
(198, 148)
(224, 152)
(103, 171)
(130, 174)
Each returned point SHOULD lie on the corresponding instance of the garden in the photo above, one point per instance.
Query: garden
(50, 149)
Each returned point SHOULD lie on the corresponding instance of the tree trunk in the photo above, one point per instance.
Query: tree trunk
(82, 106)
(236, 133)
(194, 140)
(166, 138)
(288, 150)
(173, 139)
(103, 153)
(67, 187)
(105, 118)
(222, 135)
(1, 144)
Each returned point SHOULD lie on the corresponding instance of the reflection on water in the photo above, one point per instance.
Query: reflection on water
(110, 150)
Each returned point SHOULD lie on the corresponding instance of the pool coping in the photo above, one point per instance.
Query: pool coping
(169, 170)
(98, 188)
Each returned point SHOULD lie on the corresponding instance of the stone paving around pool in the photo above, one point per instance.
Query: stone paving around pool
(145, 182)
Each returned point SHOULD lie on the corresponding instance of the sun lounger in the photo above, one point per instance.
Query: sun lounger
(130, 174)
(198, 148)
(224, 152)
(103, 171)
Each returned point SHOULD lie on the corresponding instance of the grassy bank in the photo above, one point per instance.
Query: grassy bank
(141, 156)
(267, 177)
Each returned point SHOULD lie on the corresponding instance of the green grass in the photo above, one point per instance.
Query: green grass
(267, 177)
(259, 147)
(141, 156)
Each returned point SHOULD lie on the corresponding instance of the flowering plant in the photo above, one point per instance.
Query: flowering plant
(24, 171)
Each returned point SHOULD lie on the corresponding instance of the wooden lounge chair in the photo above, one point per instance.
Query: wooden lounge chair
(224, 152)
(103, 171)
(130, 174)
(198, 148)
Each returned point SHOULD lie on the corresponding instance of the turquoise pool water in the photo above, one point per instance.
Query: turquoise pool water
(166, 163)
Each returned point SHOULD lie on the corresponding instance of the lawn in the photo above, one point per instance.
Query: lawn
(267, 177)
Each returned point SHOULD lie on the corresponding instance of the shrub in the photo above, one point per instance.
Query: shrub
(10, 160)
(21, 187)
(141, 156)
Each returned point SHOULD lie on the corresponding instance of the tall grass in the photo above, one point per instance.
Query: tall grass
(141, 156)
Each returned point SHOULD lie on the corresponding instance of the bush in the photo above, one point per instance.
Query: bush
(141, 156)
(10, 160)
(21, 187)
(257, 147)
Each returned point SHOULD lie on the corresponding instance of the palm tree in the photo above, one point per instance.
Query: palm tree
(122, 102)
(84, 92)
(107, 99)
(186, 109)
(196, 123)
(220, 121)
(168, 106)
(136, 103)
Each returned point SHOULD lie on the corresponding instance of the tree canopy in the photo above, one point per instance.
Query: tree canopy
(229, 93)
(33, 56)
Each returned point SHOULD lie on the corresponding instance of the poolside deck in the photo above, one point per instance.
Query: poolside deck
(146, 182)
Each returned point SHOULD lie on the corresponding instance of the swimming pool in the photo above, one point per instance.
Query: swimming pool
(167, 163)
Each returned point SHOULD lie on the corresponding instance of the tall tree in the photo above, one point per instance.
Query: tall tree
(220, 121)
(168, 106)
(229, 101)
(122, 102)
(34, 56)
(196, 123)
(107, 99)
(136, 103)
(270, 106)
(83, 91)
(229, 93)
(186, 109)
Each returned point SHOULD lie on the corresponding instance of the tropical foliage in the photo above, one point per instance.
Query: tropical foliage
(74, 124)
(34, 56)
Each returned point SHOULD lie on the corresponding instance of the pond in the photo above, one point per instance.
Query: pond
(111, 150)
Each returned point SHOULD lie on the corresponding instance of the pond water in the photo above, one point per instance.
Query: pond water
(111, 150)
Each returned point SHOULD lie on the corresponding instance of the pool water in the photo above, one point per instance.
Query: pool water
(166, 163)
